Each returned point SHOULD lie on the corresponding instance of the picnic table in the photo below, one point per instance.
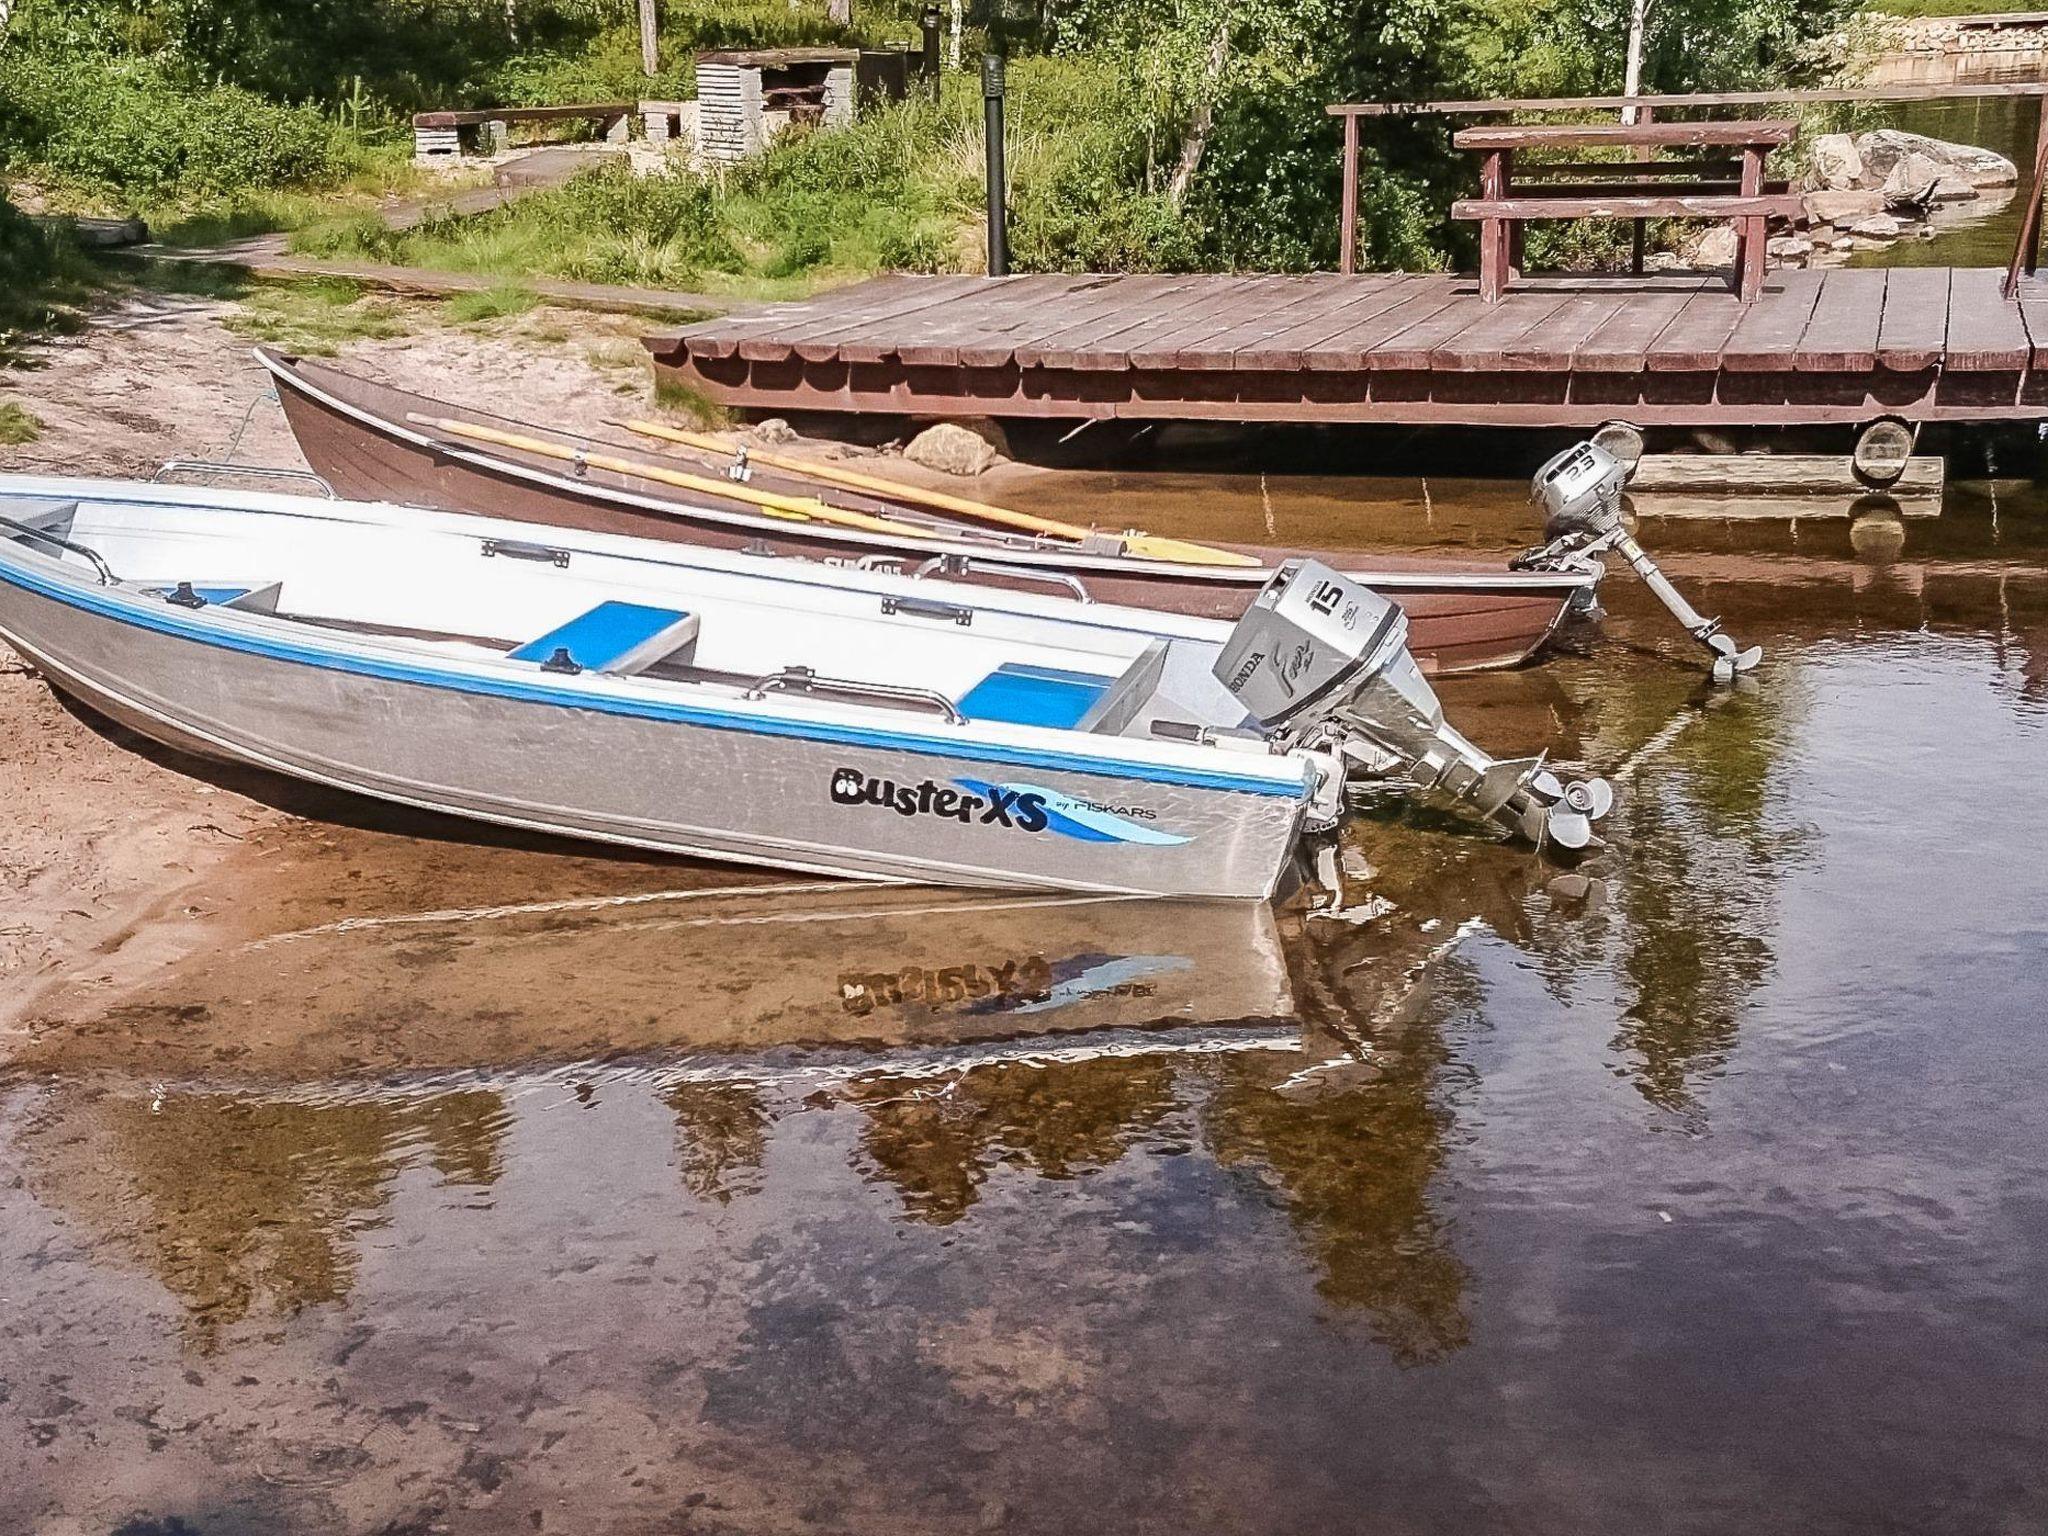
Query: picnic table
(1717, 172)
(438, 135)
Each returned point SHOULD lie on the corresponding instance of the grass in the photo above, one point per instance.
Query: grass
(317, 318)
(688, 401)
(18, 425)
(499, 303)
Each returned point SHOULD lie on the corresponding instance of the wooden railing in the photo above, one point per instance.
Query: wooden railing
(2026, 248)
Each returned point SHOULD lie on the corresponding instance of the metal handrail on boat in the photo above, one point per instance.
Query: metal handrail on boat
(963, 565)
(224, 467)
(30, 531)
(805, 680)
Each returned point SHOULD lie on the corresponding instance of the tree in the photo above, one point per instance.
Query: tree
(649, 58)
(1632, 79)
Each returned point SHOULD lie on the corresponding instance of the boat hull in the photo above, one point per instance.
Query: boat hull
(354, 434)
(549, 762)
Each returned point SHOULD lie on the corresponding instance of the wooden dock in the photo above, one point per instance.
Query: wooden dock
(1847, 345)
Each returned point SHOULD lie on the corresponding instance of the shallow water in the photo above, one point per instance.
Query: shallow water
(452, 1185)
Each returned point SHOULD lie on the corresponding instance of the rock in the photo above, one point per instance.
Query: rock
(1879, 226)
(1843, 206)
(1884, 148)
(773, 430)
(1789, 247)
(1715, 247)
(954, 448)
(1837, 165)
(1915, 178)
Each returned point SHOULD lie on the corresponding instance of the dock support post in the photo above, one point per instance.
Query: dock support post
(2026, 249)
(1347, 229)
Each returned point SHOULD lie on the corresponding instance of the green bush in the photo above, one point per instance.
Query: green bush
(139, 131)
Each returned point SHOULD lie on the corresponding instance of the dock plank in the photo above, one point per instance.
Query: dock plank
(1420, 298)
(1914, 329)
(1287, 349)
(1100, 340)
(2033, 298)
(1483, 346)
(1985, 331)
(1553, 344)
(815, 334)
(937, 326)
(1841, 336)
(1312, 295)
(1766, 338)
(1622, 345)
(995, 343)
(1411, 348)
(1160, 347)
(1695, 338)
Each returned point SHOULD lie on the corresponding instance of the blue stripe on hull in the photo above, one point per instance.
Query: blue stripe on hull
(139, 614)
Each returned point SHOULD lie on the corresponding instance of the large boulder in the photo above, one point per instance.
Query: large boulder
(1879, 226)
(1836, 163)
(1916, 179)
(1884, 148)
(1842, 207)
(957, 448)
(1714, 247)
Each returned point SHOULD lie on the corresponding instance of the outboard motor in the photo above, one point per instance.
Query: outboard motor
(1580, 493)
(1322, 663)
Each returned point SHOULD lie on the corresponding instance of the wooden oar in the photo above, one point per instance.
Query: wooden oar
(794, 508)
(1149, 546)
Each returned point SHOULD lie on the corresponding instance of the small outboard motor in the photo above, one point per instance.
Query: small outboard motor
(1580, 493)
(1321, 662)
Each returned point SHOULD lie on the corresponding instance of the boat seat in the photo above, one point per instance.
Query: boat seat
(1018, 693)
(1022, 693)
(220, 594)
(619, 638)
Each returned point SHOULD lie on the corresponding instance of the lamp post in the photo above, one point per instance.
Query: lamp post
(1000, 16)
(998, 199)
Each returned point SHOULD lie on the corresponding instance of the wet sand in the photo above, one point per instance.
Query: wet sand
(363, 1172)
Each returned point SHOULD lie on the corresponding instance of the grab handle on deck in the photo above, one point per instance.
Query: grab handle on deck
(172, 467)
(29, 531)
(963, 565)
(512, 549)
(805, 680)
(927, 608)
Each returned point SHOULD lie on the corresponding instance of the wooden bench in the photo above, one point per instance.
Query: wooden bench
(1698, 186)
(439, 135)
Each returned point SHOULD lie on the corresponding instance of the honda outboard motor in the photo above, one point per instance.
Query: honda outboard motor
(1580, 493)
(1322, 663)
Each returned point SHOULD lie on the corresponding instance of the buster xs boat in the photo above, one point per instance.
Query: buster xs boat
(770, 711)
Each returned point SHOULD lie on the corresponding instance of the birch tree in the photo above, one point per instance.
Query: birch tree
(1632, 79)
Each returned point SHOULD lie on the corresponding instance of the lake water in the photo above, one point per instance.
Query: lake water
(449, 1185)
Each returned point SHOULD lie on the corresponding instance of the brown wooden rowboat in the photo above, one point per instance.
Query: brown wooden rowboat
(371, 441)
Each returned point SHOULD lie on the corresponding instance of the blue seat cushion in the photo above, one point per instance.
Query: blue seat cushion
(1020, 694)
(612, 636)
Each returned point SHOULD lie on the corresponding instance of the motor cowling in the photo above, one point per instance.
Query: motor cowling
(1579, 491)
(1320, 661)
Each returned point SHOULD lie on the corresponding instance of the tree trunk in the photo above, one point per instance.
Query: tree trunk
(1632, 82)
(953, 42)
(650, 41)
(512, 21)
(839, 12)
(1197, 140)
